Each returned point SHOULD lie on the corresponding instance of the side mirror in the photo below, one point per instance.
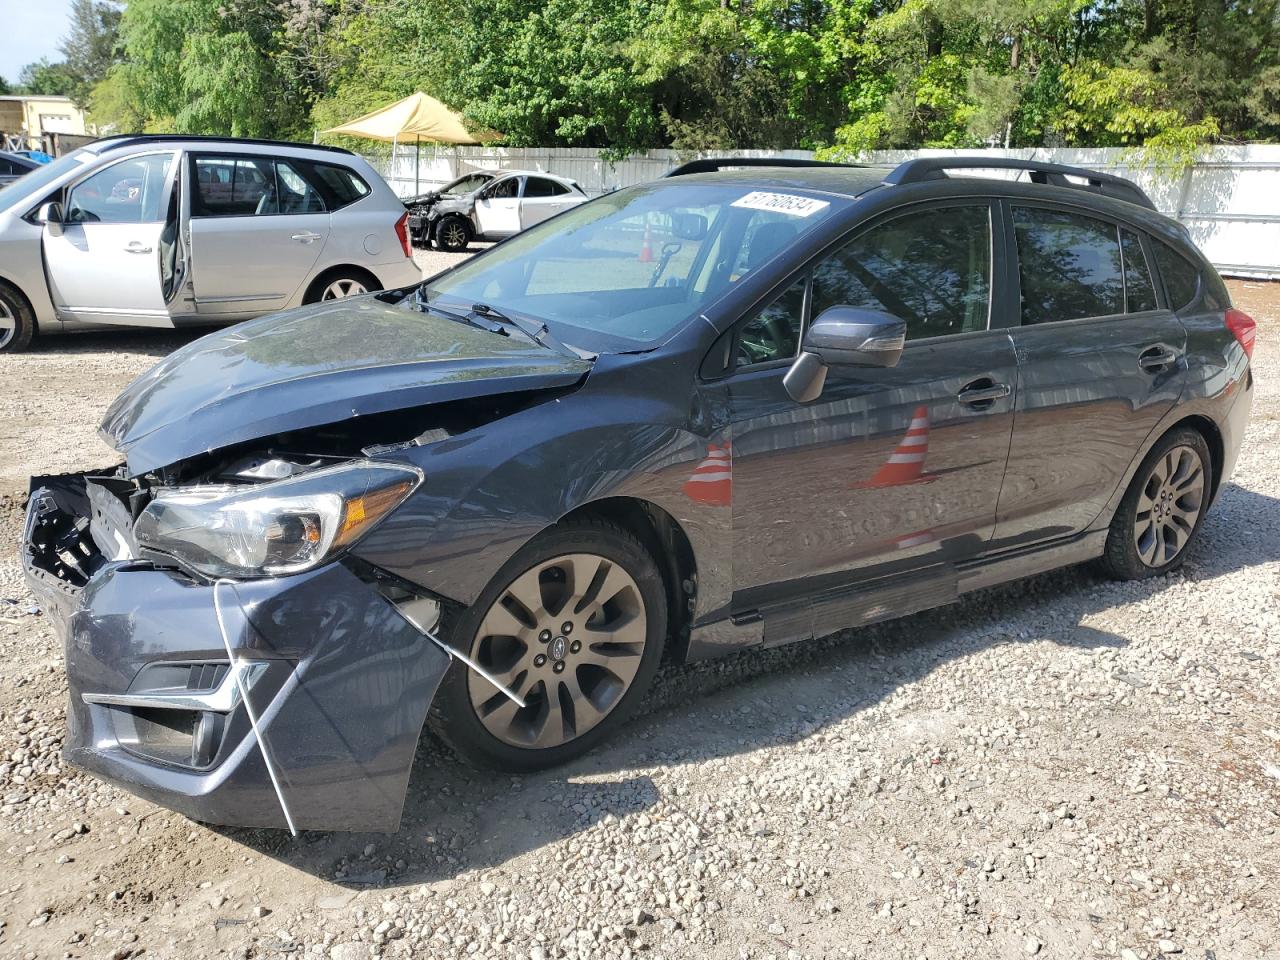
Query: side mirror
(844, 337)
(50, 214)
(688, 226)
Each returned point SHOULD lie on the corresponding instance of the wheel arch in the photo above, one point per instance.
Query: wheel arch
(328, 274)
(671, 550)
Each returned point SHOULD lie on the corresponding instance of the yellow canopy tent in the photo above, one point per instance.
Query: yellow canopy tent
(416, 118)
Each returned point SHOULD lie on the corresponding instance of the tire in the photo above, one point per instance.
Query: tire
(1163, 509)
(453, 233)
(486, 728)
(341, 283)
(17, 320)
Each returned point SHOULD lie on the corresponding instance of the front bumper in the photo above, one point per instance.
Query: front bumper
(341, 686)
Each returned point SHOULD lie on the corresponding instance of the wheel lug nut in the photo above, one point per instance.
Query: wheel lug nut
(559, 666)
(540, 660)
(575, 646)
(566, 628)
(544, 636)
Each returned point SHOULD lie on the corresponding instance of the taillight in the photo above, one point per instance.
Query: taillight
(402, 231)
(1243, 329)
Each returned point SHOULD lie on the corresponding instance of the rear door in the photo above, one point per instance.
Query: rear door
(542, 198)
(1101, 360)
(498, 208)
(889, 469)
(113, 260)
(257, 227)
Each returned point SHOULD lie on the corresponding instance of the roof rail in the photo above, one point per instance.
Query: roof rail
(1054, 174)
(712, 164)
(134, 139)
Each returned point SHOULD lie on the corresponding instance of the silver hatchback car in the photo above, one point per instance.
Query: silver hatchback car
(165, 231)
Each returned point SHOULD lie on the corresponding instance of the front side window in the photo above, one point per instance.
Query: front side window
(1181, 279)
(505, 189)
(931, 269)
(1069, 265)
(774, 332)
(130, 191)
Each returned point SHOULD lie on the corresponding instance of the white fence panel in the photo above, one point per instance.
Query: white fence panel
(1229, 200)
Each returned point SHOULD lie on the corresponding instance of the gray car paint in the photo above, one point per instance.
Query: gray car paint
(631, 432)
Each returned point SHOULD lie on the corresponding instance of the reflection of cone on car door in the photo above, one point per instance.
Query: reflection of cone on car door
(712, 482)
(906, 463)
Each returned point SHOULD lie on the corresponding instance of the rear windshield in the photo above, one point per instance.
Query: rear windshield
(624, 271)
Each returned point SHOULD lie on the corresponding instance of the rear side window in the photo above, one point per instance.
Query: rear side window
(252, 187)
(338, 185)
(542, 187)
(1181, 279)
(931, 269)
(1139, 291)
(1069, 265)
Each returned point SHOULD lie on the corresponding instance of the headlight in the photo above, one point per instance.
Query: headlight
(273, 528)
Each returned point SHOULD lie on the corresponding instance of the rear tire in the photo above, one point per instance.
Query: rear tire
(579, 685)
(340, 283)
(453, 234)
(17, 320)
(1163, 509)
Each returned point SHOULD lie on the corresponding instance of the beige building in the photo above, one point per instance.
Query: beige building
(32, 122)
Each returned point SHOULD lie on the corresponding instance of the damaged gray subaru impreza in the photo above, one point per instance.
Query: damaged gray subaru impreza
(748, 404)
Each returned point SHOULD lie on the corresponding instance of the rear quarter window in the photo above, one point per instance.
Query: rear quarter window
(1181, 277)
(340, 186)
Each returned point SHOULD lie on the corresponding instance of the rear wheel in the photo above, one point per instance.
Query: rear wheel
(17, 322)
(1162, 510)
(339, 284)
(453, 233)
(575, 624)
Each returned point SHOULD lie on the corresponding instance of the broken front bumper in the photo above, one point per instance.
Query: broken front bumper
(336, 678)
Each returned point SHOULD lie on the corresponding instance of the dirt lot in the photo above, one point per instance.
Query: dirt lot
(1065, 767)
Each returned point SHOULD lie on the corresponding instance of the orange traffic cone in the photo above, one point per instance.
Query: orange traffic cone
(646, 248)
(712, 482)
(906, 463)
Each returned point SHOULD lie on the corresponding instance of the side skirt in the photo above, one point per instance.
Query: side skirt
(887, 598)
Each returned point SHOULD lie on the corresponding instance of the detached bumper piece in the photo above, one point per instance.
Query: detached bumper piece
(338, 680)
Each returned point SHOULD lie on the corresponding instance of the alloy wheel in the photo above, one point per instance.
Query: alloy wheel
(1169, 506)
(453, 235)
(568, 636)
(343, 288)
(8, 325)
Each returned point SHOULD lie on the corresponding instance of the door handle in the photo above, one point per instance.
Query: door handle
(136, 247)
(1155, 359)
(982, 393)
(305, 237)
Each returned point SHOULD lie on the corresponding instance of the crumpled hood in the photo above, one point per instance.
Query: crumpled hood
(313, 366)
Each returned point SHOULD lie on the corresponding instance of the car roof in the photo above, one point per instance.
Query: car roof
(845, 181)
(533, 173)
(215, 144)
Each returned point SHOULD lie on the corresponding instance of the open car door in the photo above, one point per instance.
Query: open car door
(115, 256)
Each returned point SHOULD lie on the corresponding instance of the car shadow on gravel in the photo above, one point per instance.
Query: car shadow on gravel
(158, 342)
(458, 819)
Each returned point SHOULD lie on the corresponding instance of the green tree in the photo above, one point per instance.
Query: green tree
(46, 79)
(89, 49)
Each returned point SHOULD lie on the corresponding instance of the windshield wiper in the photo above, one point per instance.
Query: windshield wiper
(535, 330)
(470, 319)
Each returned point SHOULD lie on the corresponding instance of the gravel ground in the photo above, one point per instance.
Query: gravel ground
(1064, 767)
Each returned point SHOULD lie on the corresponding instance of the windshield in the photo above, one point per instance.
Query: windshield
(624, 271)
(28, 187)
(464, 185)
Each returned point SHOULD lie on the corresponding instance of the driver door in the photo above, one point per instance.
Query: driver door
(115, 257)
(498, 209)
(889, 469)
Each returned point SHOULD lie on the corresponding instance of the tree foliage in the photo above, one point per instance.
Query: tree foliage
(842, 75)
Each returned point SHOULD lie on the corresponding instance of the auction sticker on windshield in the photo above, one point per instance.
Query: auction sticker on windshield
(781, 203)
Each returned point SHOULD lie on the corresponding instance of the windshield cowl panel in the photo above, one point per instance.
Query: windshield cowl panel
(624, 272)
